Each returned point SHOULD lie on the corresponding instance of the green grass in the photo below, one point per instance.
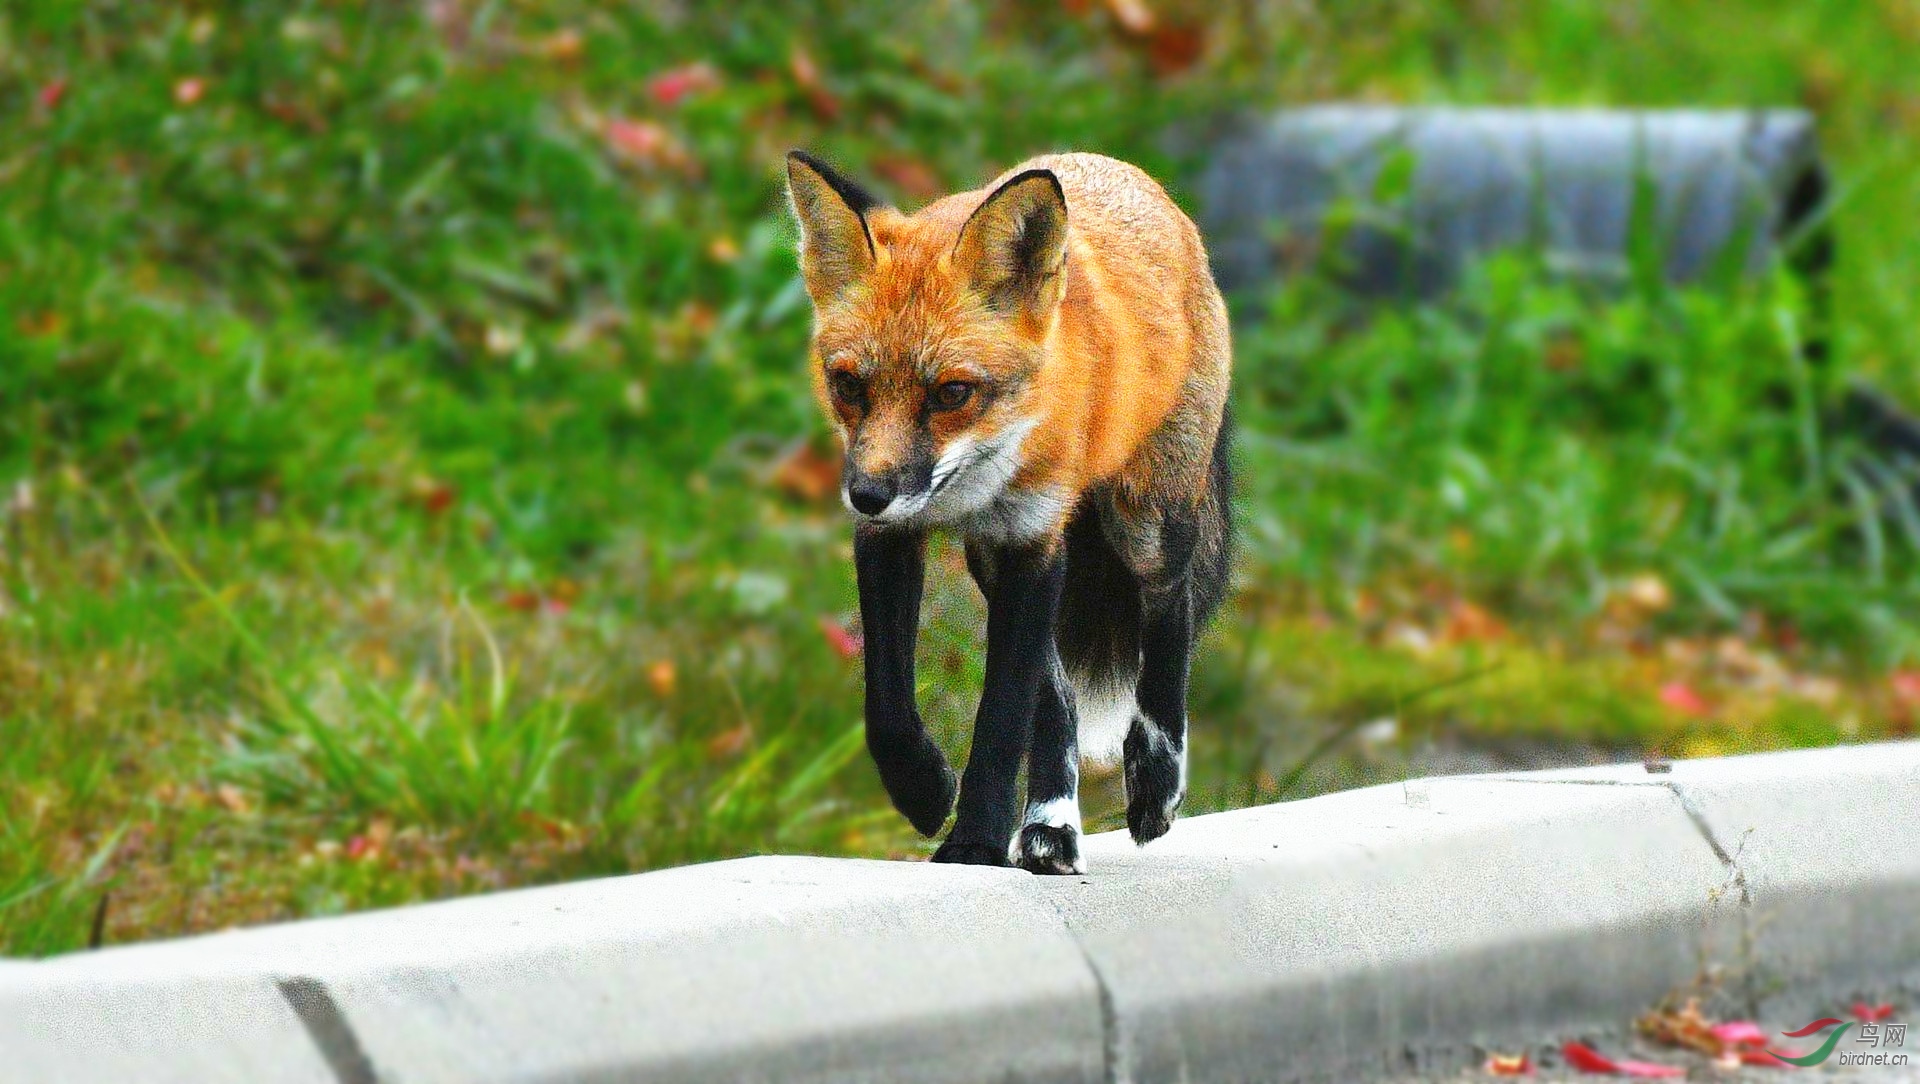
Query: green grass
(392, 407)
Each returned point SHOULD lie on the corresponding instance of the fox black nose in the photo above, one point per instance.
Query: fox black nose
(870, 495)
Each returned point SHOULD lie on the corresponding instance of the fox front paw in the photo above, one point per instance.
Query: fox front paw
(1049, 849)
(919, 781)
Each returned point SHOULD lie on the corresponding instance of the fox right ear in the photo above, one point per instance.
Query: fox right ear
(836, 247)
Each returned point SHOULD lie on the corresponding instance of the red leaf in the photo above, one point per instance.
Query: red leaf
(642, 140)
(1588, 1060)
(53, 93)
(670, 87)
(1868, 1014)
(807, 74)
(809, 475)
(910, 175)
(1173, 49)
(848, 645)
(1739, 1033)
(1682, 698)
(1906, 685)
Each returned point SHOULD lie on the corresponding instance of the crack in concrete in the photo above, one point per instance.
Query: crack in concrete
(1696, 815)
(1728, 859)
(328, 1028)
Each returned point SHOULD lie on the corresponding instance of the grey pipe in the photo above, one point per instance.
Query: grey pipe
(1423, 191)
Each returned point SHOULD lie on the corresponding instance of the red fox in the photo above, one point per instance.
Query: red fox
(1040, 366)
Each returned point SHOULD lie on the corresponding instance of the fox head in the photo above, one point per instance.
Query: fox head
(929, 334)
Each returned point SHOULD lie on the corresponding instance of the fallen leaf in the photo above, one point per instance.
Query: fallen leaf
(1682, 697)
(845, 643)
(662, 677)
(53, 94)
(522, 601)
(1467, 623)
(562, 46)
(723, 249)
(189, 90)
(1648, 592)
(728, 743)
(1905, 685)
(39, 325)
(806, 75)
(1133, 16)
(231, 798)
(809, 475)
(1740, 1033)
(1868, 1014)
(434, 496)
(911, 176)
(647, 144)
(1588, 1060)
(1686, 1027)
(1174, 49)
(673, 86)
(1509, 1065)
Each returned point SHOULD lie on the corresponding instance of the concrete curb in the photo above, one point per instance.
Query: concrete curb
(1357, 934)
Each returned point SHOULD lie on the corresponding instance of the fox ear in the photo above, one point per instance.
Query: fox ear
(836, 247)
(1014, 245)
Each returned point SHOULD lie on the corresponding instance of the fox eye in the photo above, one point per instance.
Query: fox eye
(952, 395)
(847, 387)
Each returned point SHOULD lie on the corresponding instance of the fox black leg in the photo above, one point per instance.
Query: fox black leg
(1022, 585)
(1050, 840)
(891, 567)
(1155, 752)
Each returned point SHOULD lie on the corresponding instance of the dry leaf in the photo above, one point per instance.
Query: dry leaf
(663, 678)
(910, 175)
(562, 46)
(845, 642)
(1133, 16)
(1509, 1065)
(1467, 623)
(673, 86)
(1682, 697)
(646, 144)
(806, 74)
(1174, 49)
(728, 743)
(809, 475)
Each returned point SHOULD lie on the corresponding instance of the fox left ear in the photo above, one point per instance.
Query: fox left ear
(836, 247)
(1014, 245)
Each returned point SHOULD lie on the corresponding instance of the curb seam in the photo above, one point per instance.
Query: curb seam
(327, 1026)
(1113, 1053)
